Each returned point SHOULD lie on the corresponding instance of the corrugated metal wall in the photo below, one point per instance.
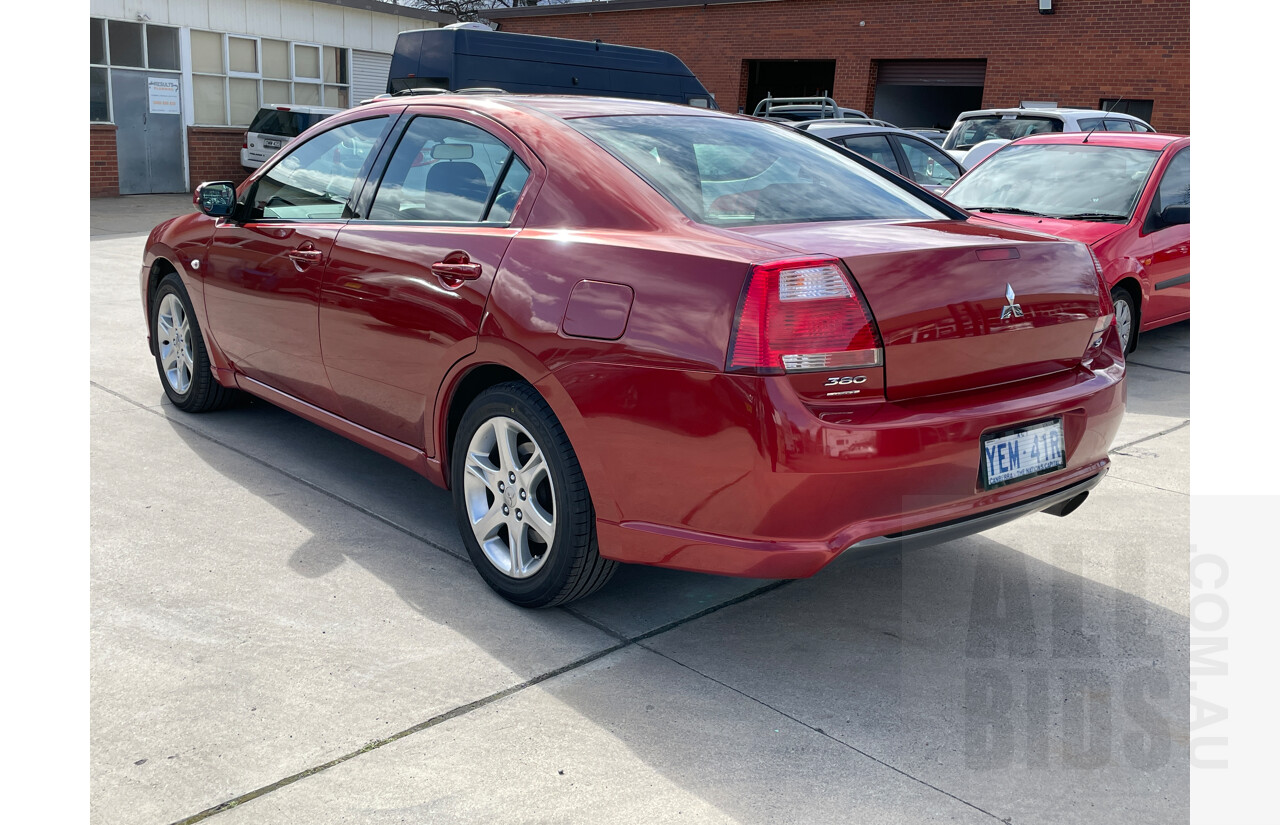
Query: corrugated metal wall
(369, 72)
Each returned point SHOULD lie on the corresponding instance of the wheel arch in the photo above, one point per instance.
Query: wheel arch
(494, 362)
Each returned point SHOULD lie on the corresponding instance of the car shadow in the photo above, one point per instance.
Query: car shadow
(1025, 682)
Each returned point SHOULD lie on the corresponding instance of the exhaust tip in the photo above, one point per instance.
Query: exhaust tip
(1066, 508)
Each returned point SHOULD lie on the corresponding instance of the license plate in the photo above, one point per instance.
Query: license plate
(272, 144)
(1021, 453)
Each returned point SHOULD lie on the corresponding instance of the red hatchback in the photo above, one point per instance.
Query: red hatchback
(1126, 195)
(623, 331)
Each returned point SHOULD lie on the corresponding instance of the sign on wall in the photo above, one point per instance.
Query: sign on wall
(162, 94)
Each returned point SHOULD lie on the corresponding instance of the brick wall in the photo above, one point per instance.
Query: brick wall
(213, 153)
(1087, 50)
(104, 173)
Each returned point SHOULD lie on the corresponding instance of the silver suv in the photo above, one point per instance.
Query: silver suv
(980, 125)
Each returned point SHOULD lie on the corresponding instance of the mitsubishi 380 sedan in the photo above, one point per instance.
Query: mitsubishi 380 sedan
(629, 332)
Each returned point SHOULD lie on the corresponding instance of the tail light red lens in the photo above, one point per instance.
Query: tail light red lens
(800, 315)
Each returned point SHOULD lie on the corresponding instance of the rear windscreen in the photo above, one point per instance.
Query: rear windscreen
(740, 172)
(284, 123)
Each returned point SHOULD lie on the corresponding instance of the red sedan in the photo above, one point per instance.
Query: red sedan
(1126, 195)
(623, 331)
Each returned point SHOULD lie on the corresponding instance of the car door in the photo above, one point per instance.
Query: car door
(264, 269)
(1168, 261)
(407, 282)
(928, 165)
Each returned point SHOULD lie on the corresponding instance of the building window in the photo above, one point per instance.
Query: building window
(233, 76)
(125, 45)
(1137, 108)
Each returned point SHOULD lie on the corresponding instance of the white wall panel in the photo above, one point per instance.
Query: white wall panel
(408, 24)
(295, 20)
(328, 22)
(228, 16)
(357, 29)
(156, 11)
(384, 31)
(264, 18)
(106, 8)
(193, 13)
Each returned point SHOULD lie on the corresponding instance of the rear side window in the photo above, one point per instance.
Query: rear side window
(315, 181)
(449, 171)
(731, 172)
(875, 148)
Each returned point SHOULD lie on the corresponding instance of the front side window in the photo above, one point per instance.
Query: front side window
(1073, 181)
(930, 166)
(729, 172)
(449, 171)
(1175, 185)
(874, 148)
(315, 181)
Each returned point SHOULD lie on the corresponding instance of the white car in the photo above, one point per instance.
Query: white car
(980, 125)
(274, 126)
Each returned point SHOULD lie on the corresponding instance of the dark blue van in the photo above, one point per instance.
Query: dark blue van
(463, 58)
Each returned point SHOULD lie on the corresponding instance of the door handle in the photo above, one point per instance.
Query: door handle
(306, 256)
(457, 266)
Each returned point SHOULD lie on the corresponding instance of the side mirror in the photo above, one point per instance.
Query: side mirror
(217, 199)
(1175, 215)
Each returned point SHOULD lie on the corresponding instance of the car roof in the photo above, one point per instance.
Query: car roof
(1130, 140)
(838, 128)
(1061, 111)
(559, 106)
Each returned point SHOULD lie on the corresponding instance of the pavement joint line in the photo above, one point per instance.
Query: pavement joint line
(158, 411)
(822, 732)
(1144, 484)
(462, 710)
(1149, 437)
(1154, 367)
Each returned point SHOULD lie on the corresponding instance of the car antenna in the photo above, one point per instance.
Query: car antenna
(1105, 112)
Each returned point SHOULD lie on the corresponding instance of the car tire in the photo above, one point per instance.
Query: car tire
(181, 357)
(1126, 318)
(522, 503)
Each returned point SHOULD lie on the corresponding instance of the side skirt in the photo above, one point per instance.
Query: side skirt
(406, 454)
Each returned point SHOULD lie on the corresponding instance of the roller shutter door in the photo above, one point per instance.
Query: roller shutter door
(369, 72)
(932, 72)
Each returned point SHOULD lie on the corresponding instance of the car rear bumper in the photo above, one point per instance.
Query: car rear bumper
(745, 479)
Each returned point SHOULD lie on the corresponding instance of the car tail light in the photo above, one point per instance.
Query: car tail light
(1107, 318)
(799, 315)
(1104, 293)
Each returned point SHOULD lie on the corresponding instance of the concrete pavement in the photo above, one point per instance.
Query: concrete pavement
(285, 628)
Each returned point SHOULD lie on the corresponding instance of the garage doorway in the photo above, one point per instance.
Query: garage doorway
(789, 78)
(927, 93)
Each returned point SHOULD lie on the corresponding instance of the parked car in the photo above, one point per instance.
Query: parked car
(974, 127)
(274, 126)
(896, 149)
(800, 109)
(1126, 195)
(627, 331)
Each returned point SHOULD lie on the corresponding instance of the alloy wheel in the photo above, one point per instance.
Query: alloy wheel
(173, 331)
(509, 497)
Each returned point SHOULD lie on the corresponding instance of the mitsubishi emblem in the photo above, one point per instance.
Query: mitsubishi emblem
(1012, 309)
